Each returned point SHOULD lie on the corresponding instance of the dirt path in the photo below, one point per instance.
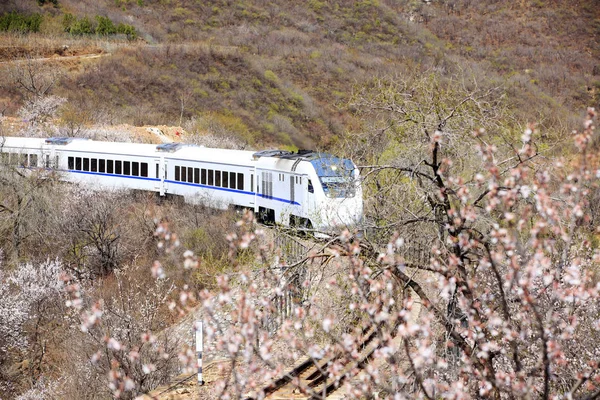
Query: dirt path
(57, 57)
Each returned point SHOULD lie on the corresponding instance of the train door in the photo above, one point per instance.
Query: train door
(46, 157)
(254, 185)
(161, 174)
(49, 159)
(310, 203)
(293, 180)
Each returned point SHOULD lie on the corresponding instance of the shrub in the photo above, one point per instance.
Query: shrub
(105, 26)
(270, 75)
(82, 26)
(128, 30)
(68, 21)
(15, 22)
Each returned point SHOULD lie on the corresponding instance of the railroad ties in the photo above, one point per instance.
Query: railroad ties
(309, 378)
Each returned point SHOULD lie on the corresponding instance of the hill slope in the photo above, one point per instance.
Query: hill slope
(282, 72)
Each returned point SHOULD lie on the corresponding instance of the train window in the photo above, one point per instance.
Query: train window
(251, 182)
(126, 168)
(77, 163)
(86, 164)
(110, 167)
(157, 173)
(190, 174)
(184, 174)
(232, 180)
(135, 168)
(5, 158)
(144, 170)
(118, 169)
(240, 181)
(311, 189)
(23, 160)
(56, 162)
(218, 178)
(101, 165)
(71, 163)
(33, 158)
(177, 172)
(203, 177)
(196, 175)
(94, 165)
(225, 179)
(210, 177)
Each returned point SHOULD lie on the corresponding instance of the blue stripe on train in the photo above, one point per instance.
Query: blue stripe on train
(185, 184)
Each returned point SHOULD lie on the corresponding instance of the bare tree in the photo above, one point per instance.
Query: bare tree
(34, 79)
(94, 233)
(24, 205)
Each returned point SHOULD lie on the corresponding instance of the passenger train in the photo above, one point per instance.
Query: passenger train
(308, 189)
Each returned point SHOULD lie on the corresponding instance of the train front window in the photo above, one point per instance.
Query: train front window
(336, 175)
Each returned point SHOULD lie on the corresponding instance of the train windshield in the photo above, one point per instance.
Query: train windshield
(336, 175)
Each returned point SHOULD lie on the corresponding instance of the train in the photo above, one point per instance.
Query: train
(306, 189)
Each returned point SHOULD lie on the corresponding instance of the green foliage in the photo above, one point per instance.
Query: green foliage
(81, 26)
(105, 26)
(129, 30)
(270, 76)
(15, 22)
(316, 5)
(68, 21)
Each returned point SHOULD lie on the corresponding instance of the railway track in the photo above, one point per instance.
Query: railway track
(310, 378)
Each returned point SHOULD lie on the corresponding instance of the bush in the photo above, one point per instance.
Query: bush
(15, 22)
(82, 26)
(68, 21)
(105, 26)
(128, 30)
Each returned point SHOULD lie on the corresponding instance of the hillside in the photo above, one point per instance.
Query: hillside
(283, 73)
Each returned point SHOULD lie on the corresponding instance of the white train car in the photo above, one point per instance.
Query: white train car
(314, 190)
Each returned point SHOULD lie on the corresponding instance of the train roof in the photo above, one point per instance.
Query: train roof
(276, 159)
